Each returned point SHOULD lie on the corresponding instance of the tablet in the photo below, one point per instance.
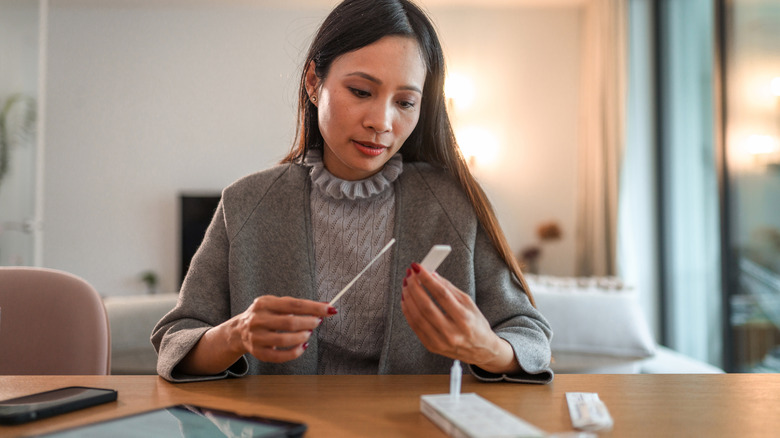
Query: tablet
(186, 421)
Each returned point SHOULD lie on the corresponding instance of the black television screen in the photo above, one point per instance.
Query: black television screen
(196, 211)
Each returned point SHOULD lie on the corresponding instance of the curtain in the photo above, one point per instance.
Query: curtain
(602, 126)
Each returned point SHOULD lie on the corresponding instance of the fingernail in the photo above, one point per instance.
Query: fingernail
(416, 268)
(408, 272)
(319, 322)
(404, 283)
(306, 345)
(332, 310)
(311, 331)
(402, 295)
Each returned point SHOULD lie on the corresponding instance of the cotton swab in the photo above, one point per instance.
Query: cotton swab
(349, 285)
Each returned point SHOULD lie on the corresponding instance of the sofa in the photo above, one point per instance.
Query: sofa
(599, 328)
(131, 319)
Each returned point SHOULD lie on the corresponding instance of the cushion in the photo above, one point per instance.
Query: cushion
(667, 361)
(597, 324)
(131, 320)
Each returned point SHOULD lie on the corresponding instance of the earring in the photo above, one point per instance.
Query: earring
(314, 99)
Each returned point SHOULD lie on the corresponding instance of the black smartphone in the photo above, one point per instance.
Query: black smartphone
(46, 404)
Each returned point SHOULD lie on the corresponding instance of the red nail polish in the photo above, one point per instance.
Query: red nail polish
(404, 286)
(402, 295)
(408, 272)
(332, 311)
(306, 345)
(416, 268)
(319, 322)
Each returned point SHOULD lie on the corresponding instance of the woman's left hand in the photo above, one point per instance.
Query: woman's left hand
(456, 327)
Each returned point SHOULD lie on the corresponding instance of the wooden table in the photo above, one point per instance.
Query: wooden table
(725, 405)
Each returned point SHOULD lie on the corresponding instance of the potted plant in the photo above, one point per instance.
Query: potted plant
(151, 280)
(530, 255)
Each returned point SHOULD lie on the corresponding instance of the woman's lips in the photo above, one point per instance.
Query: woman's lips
(368, 148)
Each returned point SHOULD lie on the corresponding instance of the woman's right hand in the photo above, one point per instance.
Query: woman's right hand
(277, 329)
(272, 329)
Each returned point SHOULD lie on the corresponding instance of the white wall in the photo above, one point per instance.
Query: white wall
(150, 98)
(525, 67)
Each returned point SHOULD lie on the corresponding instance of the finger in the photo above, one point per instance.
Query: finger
(427, 334)
(276, 355)
(414, 316)
(425, 318)
(281, 339)
(462, 310)
(463, 317)
(431, 337)
(293, 306)
(284, 323)
(444, 293)
(424, 306)
(259, 339)
(460, 296)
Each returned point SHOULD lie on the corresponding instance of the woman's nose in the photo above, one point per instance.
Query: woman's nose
(379, 118)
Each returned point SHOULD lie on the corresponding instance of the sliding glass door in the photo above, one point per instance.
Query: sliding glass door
(752, 151)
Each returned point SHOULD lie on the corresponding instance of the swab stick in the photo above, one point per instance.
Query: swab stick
(349, 285)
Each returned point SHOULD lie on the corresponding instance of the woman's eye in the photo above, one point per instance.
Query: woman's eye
(359, 93)
(407, 104)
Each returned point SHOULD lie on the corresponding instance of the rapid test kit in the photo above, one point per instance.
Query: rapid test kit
(471, 416)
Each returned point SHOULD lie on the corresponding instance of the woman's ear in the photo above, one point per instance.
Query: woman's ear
(312, 83)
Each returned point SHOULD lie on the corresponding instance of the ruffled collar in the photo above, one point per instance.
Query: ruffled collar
(338, 188)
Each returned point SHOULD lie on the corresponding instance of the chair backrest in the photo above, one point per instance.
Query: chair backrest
(51, 322)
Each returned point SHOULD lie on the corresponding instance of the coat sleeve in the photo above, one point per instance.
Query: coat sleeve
(502, 300)
(204, 302)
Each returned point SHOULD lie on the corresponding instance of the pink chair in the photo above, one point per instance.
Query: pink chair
(51, 322)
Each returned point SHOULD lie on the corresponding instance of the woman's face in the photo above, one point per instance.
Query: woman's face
(368, 105)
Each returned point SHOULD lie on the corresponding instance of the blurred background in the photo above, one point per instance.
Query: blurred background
(626, 138)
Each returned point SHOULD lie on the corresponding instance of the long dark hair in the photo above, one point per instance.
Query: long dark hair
(354, 24)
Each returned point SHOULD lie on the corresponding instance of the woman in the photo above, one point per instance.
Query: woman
(375, 159)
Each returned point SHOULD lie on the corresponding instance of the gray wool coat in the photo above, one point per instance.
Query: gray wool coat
(260, 242)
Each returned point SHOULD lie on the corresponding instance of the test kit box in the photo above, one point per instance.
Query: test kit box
(471, 416)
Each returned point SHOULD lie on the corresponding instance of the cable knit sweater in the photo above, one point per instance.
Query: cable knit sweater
(261, 241)
(351, 222)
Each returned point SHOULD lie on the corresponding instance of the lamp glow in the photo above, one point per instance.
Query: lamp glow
(477, 144)
(775, 86)
(459, 89)
(761, 144)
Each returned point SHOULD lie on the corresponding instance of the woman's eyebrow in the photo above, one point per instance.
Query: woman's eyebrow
(378, 81)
